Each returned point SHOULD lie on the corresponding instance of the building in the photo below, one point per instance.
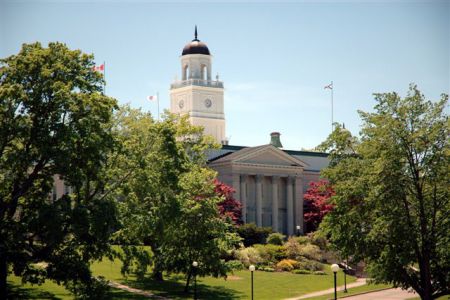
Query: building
(269, 181)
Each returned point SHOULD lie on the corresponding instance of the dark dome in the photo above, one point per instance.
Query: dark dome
(196, 47)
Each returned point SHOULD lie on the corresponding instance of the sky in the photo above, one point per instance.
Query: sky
(274, 57)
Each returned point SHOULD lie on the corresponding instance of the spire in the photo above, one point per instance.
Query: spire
(195, 34)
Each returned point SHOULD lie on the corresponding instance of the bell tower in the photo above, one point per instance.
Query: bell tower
(196, 94)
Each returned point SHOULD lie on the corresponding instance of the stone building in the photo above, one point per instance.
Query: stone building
(269, 181)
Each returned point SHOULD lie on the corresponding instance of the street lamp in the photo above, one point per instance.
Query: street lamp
(252, 269)
(335, 269)
(298, 230)
(195, 265)
(345, 276)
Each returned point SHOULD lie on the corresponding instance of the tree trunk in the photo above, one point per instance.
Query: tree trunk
(186, 288)
(3, 276)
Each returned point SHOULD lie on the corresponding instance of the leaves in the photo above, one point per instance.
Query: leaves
(392, 196)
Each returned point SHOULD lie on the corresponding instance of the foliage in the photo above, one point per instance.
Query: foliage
(286, 265)
(269, 253)
(54, 119)
(266, 269)
(292, 248)
(249, 256)
(251, 234)
(392, 198)
(317, 203)
(229, 207)
(301, 271)
(311, 265)
(276, 238)
(168, 197)
(234, 265)
(311, 251)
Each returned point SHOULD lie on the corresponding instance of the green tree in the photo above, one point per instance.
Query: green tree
(392, 192)
(167, 196)
(53, 120)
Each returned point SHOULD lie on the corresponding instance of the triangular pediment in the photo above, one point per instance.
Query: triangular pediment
(263, 155)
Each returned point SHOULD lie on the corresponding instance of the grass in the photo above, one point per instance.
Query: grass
(354, 291)
(266, 285)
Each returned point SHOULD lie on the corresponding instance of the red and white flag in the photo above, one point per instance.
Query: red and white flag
(329, 86)
(99, 68)
(152, 98)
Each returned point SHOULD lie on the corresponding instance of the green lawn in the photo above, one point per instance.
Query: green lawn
(237, 286)
(354, 291)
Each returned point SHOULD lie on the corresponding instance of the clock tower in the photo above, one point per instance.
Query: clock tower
(196, 94)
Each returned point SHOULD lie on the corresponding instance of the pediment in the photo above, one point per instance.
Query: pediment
(263, 155)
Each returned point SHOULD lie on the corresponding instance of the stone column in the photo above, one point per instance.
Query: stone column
(259, 200)
(299, 204)
(290, 205)
(275, 181)
(243, 197)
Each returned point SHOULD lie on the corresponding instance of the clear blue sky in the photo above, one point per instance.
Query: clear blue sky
(274, 58)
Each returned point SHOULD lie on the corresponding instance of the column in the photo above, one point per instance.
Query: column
(275, 180)
(243, 197)
(290, 205)
(299, 204)
(259, 200)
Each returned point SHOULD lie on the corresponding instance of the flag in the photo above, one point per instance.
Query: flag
(152, 98)
(99, 68)
(329, 86)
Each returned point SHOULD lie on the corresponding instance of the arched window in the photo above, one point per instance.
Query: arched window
(203, 72)
(185, 72)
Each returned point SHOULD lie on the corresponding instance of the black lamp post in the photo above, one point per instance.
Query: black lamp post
(335, 269)
(298, 230)
(195, 265)
(252, 269)
(345, 277)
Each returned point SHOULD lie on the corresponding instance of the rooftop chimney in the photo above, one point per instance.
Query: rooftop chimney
(275, 139)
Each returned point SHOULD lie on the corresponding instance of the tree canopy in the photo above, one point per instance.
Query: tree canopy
(392, 201)
(54, 121)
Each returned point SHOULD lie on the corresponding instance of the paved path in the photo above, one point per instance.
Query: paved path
(136, 291)
(389, 294)
(358, 282)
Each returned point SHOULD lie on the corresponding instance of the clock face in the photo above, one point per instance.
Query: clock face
(181, 104)
(208, 103)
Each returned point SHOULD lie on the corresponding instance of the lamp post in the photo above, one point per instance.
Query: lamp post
(194, 268)
(298, 230)
(345, 276)
(335, 269)
(252, 269)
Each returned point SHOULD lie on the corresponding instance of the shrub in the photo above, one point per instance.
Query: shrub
(270, 254)
(249, 256)
(301, 272)
(319, 273)
(276, 238)
(287, 265)
(267, 269)
(292, 248)
(311, 251)
(310, 265)
(251, 234)
(302, 240)
(234, 265)
(318, 240)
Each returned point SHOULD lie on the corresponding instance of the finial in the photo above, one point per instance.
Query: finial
(195, 39)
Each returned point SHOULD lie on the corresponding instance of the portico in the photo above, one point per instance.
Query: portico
(269, 184)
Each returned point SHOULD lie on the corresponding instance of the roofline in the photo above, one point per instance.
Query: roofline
(290, 152)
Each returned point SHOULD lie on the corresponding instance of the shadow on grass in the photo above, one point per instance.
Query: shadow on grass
(20, 292)
(173, 287)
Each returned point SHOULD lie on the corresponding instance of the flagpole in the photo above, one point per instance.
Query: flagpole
(104, 77)
(332, 108)
(157, 99)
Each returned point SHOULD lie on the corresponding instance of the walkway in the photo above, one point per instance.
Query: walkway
(389, 294)
(358, 282)
(135, 291)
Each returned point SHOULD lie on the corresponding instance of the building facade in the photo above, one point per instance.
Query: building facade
(269, 181)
